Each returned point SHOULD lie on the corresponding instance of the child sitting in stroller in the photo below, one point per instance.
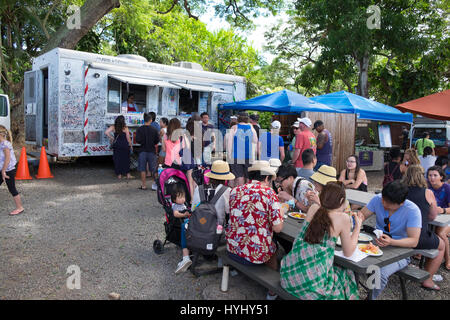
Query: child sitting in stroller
(180, 210)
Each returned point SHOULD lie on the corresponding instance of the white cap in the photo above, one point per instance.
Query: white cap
(296, 124)
(276, 124)
(306, 121)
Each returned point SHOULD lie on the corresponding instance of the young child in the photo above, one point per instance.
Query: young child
(180, 210)
(8, 168)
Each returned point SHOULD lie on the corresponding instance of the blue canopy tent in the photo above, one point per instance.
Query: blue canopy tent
(364, 108)
(282, 102)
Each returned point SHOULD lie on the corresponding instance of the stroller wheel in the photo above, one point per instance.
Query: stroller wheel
(158, 247)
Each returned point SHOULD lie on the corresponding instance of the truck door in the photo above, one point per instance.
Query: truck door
(33, 103)
(5, 118)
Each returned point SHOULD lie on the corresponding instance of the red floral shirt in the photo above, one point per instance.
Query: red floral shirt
(254, 209)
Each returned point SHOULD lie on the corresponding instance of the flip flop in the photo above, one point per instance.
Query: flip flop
(141, 188)
(14, 213)
(433, 288)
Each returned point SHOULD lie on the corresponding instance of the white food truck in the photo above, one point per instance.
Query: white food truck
(5, 114)
(71, 97)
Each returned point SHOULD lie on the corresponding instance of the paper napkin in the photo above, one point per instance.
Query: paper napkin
(356, 256)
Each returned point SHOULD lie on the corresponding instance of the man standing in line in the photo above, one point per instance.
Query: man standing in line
(304, 140)
(148, 138)
(324, 145)
(254, 118)
(207, 146)
(424, 142)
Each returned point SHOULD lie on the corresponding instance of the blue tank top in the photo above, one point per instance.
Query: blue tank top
(325, 154)
(242, 142)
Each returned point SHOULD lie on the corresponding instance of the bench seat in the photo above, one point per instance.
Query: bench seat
(264, 275)
(413, 274)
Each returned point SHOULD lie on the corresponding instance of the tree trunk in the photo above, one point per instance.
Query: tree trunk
(90, 13)
(363, 77)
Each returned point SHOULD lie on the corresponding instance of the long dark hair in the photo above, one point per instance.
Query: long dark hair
(119, 124)
(331, 197)
(174, 124)
(357, 165)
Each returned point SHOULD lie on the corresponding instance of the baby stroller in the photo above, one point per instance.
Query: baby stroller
(167, 180)
(172, 226)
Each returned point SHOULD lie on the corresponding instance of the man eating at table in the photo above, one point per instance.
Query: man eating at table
(401, 222)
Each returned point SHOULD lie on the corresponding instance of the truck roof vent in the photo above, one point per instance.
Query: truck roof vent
(133, 57)
(188, 65)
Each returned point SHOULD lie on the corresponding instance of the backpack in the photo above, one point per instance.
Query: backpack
(201, 235)
(389, 176)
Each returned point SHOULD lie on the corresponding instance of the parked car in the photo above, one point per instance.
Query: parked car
(5, 117)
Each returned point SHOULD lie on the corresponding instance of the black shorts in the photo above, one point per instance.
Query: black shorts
(428, 240)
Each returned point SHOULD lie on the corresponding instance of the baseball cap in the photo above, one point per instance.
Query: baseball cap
(296, 124)
(306, 121)
(276, 124)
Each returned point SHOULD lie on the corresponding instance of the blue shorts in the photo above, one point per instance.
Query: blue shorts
(144, 158)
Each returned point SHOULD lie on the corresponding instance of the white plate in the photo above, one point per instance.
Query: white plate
(363, 237)
(380, 253)
(293, 217)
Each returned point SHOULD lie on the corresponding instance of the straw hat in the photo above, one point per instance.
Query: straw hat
(264, 167)
(220, 170)
(324, 175)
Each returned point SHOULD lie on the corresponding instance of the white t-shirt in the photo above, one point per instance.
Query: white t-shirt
(12, 161)
(222, 205)
(427, 162)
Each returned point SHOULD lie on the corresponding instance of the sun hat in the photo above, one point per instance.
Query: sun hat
(324, 175)
(306, 121)
(220, 170)
(296, 124)
(264, 167)
(276, 124)
(275, 163)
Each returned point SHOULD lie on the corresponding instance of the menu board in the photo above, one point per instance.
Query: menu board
(384, 133)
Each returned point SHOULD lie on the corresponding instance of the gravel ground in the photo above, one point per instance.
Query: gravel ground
(86, 217)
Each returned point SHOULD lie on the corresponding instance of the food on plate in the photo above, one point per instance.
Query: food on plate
(297, 215)
(369, 248)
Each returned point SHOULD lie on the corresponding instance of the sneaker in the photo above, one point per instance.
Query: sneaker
(183, 265)
(271, 296)
(154, 186)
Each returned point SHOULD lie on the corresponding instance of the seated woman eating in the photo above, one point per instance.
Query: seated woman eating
(307, 271)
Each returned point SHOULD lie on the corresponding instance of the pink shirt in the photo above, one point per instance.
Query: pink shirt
(172, 152)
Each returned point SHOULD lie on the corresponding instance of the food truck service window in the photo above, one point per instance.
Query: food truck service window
(113, 95)
(140, 95)
(188, 101)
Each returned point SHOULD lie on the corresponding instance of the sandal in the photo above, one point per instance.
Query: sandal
(16, 212)
(433, 288)
(142, 188)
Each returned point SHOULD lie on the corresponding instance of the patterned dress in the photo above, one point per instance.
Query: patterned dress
(308, 273)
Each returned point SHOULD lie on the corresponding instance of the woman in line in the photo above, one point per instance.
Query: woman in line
(8, 167)
(172, 144)
(307, 271)
(427, 160)
(425, 200)
(354, 177)
(441, 190)
(189, 160)
(122, 146)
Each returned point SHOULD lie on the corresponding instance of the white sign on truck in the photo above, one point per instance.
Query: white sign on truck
(71, 97)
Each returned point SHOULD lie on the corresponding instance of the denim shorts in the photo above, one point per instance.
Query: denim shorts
(144, 158)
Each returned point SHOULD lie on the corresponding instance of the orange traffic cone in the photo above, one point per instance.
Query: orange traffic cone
(23, 173)
(44, 168)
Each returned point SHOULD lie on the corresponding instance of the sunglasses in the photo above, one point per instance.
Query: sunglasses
(278, 183)
(387, 226)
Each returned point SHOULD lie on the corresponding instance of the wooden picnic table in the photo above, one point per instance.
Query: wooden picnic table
(390, 255)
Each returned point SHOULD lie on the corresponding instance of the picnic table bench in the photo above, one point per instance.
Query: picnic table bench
(262, 274)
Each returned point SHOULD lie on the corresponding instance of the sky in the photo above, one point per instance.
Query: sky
(254, 38)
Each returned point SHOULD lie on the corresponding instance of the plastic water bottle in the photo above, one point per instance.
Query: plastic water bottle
(160, 169)
(219, 229)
